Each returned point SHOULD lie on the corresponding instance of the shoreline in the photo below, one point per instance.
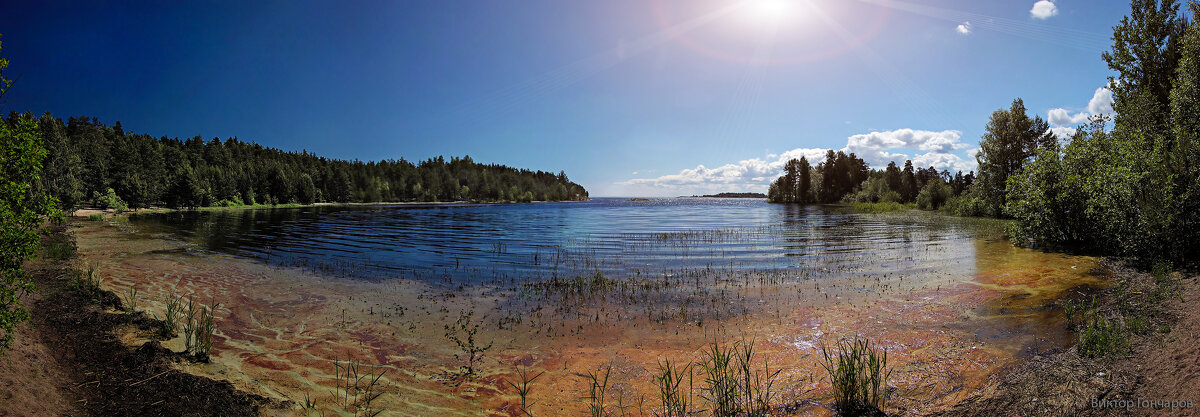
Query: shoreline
(1062, 381)
(85, 212)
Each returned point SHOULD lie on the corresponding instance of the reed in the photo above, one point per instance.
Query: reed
(858, 372)
(523, 388)
(676, 399)
(595, 403)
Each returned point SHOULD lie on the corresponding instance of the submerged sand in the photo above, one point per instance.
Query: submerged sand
(948, 330)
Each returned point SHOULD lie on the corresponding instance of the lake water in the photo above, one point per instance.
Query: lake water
(568, 288)
(539, 241)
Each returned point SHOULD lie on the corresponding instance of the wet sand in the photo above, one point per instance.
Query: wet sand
(948, 330)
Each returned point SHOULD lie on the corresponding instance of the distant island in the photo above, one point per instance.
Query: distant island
(733, 195)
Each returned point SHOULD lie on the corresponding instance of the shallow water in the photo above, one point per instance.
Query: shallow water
(952, 301)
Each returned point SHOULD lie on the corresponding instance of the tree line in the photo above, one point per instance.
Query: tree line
(91, 164)
(1126, 184)
(845, 177)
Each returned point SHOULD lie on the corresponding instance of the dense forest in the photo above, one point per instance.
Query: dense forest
(91, 164)
(1125, 185)
(847, 178)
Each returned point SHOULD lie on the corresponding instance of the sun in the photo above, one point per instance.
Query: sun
(769, 11)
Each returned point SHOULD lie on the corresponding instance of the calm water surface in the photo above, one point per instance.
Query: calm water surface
(616, 236)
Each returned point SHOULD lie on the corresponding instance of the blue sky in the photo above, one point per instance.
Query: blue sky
(629, 97)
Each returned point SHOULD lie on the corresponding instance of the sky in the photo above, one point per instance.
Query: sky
(628, 97)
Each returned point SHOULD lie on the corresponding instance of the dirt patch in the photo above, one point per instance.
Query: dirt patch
(1160, 364)
(33, 380)
(79, 337)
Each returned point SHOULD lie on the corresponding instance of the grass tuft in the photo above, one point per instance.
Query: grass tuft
(858, 373)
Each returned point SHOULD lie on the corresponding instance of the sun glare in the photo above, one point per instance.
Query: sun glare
(770, 11)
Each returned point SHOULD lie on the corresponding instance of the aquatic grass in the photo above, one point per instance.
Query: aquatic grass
(357, 389)
(170, 321)
(89, 283)
(198, 329)
(595, 403)
(204, 332)
(857, 372)
(676, 399)
(95, 217)
(524, 387)
(189, 326)
(880, 207)
(732, 385)
(130, 304)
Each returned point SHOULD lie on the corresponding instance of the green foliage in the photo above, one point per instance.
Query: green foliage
(1011, 138)
(857, 373)
(880, 207)
(110, 200)
(933, 195)
(131, 301)
(87, 158)
(95, 217)
(22, 211)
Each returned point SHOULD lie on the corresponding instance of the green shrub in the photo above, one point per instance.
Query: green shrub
(110, 200)
(96, 217)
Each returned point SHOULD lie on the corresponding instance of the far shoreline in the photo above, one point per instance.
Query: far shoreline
(86, 212)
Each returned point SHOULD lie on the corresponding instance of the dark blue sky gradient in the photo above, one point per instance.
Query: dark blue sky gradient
(550, 85)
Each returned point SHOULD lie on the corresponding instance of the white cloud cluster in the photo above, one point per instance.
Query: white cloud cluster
(931, 148)
(964, 28)
(1043, 9)
(1063, 122)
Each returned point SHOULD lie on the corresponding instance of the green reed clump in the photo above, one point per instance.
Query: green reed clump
(130, 305)
(676, 399)
(595, 403)
(523, 388)
(95, 217)
(732, 385)
(170, 321)
(88, 283)
(198, 329)
(858, 374)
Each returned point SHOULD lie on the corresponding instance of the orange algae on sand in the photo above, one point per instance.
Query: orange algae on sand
(947, 330)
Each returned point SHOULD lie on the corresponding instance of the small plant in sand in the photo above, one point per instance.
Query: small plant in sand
(732, 384)
(463, 333)
(170, 321)
(198, 329)
(524, 387)
(858, 373)
(674, 396)
(89, 283)
(595, 402)
(131, 297)
(355, 391)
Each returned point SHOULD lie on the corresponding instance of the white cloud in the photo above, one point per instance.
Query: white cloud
(1043, 9)
(1101, 102)
(933, 148)
(1061, 117)
(1062, 122)
(1063, 132)
(964, 28)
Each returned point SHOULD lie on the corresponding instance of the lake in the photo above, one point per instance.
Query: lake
(570, 287)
